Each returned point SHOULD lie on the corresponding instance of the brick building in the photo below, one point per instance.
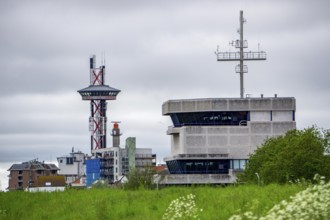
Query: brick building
(27, 174)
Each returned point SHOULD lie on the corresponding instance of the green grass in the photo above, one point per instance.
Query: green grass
(216, 202)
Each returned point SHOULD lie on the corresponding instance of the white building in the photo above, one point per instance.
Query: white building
(72, 166)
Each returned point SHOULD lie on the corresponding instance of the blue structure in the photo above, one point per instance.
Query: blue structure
(94, 170)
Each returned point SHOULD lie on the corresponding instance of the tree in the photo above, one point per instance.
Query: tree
(299, 154)
(138, 178)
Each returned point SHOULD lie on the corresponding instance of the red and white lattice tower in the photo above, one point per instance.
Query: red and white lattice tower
(98, 93)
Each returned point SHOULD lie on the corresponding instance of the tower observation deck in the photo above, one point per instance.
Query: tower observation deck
(240, 55)
(97, 93)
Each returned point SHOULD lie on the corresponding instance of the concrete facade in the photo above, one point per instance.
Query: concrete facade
(72, 166)
(265, 118)
(119, 161)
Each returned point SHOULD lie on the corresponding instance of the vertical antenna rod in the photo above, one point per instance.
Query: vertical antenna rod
(240, 56)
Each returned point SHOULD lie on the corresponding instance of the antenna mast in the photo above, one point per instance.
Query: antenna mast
(240, 56)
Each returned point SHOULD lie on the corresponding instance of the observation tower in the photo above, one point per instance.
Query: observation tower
(98, 93)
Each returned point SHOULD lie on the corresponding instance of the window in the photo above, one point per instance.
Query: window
(61, 161)
(69, 160)
(198, 166)
(238, 164)
(209, 118)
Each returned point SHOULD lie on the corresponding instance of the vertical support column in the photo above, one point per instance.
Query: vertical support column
(241, 46)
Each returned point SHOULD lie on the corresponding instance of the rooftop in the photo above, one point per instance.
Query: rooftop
(228, 104)
(33, 165)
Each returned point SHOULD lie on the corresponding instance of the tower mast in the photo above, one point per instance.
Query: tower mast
(97, 93)
(240, 56)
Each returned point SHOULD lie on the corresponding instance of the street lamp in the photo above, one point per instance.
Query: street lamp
(258, 179)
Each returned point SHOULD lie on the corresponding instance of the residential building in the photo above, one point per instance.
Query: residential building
(27, 174)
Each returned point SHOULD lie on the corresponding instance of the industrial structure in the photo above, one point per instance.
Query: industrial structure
(211, 138)
(110, 164)
(240, 56)
(97, 93)
(28, 174)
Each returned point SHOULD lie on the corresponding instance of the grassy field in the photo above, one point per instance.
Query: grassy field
(215, 202)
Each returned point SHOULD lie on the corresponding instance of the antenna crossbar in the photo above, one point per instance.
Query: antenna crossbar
(236, 56)
(240, 55)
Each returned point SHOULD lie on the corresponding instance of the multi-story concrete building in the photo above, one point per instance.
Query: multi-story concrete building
(27, 174)
(72, 166)
(112, 164)
(211, 139)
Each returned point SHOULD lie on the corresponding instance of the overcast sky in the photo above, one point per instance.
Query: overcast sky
(155, 51)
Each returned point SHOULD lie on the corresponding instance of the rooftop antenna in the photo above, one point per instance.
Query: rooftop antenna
(240, 55)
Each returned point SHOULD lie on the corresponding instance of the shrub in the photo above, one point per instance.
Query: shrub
(297, 155)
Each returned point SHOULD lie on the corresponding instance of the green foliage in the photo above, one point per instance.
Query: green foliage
(138, 178)
(109, 203)
(311, 203)
(298, 155)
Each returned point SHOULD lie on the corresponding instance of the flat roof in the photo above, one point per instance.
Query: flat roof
(228, 104)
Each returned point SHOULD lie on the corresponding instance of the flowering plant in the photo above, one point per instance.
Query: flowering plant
(312, 203)
(182, 208)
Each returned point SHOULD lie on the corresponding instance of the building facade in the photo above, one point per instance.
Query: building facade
(27, 174)
(112, 164)
(211, 139)
(72, 166)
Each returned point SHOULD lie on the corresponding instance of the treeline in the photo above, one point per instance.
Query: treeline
(298, 155)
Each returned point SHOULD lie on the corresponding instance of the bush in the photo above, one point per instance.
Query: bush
(140, 178)
(297, 155)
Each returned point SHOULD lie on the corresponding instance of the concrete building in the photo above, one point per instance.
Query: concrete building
(72, 166)
(211, 139)
(27, 174)
(112, 163)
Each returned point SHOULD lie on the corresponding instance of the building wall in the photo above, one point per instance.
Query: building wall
(20, 179)
(237, 142)
(268, 117)
(131, 148)
(74, 169)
